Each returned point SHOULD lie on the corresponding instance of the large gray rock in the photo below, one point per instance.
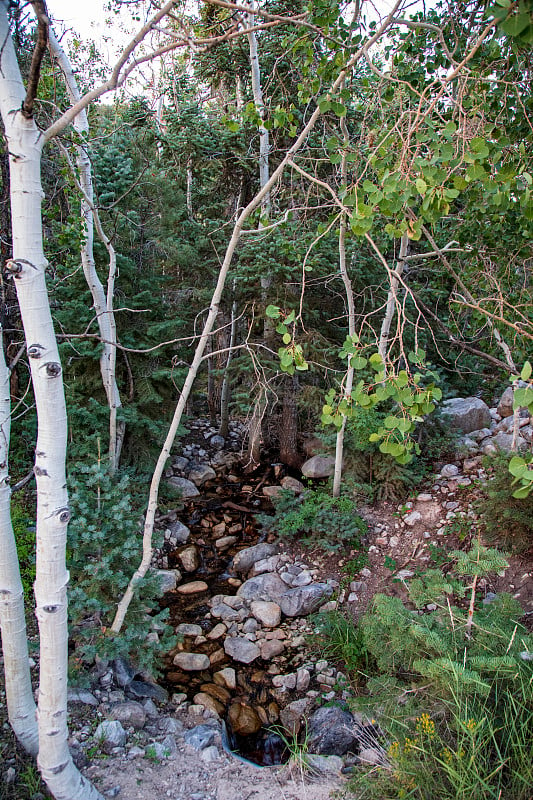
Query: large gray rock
(179, 533)
(202, 473)
(268, 586)
(240, 649)
(305, 599)
(130, 713)
(332, 731)
(183, 486)
(110, 734)
(245, 559)
(466, 414)
(268, 614)
(319, 467)
(504, 441)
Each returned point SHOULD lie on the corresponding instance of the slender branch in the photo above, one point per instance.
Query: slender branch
(39, 50)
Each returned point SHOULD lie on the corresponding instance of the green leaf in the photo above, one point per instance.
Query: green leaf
(272, 312)
(522, 492)
(338, 108)
(286, 338)
(517, 466)
(358, 362)
(421, 186)
(527, 369)
(516, 24)
(522, 397)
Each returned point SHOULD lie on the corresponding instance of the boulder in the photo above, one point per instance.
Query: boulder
(319, 467)
(304, 599)
(466, 414)
(268, 586)
(245, 559)
(183, 486)
(332, 731)
(240, 649)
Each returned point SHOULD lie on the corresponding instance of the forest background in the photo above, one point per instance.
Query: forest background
(362, 185)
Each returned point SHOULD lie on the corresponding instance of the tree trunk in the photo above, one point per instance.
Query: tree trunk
(103, 305)
(225, 391)
(392, 300)
(28, 265)
(21, 707)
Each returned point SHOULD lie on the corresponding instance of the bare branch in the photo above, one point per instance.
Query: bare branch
(43, 22)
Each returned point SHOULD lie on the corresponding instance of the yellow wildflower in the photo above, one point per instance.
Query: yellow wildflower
(471, 724)
(425, 725)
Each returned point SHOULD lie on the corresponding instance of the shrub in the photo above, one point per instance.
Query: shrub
(104, 548)
(319, 520)
(338, 638)
(507, 520)
(454, 692)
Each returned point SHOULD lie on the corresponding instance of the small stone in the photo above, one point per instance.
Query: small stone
(272, 492)
(210, 753)
(245, 559)
(204, 699)
(188, 629)
(449, 471)
(190, 558)
(412, 518)
(319, 467)
(191, 662)
(82, 696)
(268, 614)
(179, 533)
(325, 765)
(143, 689)
(218, 631)
(293, 484)
(372, 755)
(202, 473)
(268, 587)
(168, 579)
(225, 542)
(271, 648)
(111, 734)
(195, 587)
(200, 736)
(424, 497)
(244, 719)
(304, 600)
(242, 650)
(226, 677)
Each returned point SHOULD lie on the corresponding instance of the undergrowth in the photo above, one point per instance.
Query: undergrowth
(317, 519)
(507, 520)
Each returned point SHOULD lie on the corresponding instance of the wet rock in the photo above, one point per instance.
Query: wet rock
(191, 662)
(206, 700)
(467, 414)
(130, 713)
(142, 689)
(194, 587)
(294, 713)
(319, 467)
(179, 533)
(225, 542)
(168, 579)
(202, 473)
(268, 586)
(240, 649)
(243, 719)
(245, 559)
(332, 731)
(190, 559)
(268, 614)
(110, 734)
(188, 629)
(293, 484)
(200, 736)
(183, 486)
(226, 677)
(305, 599)
(218, 692)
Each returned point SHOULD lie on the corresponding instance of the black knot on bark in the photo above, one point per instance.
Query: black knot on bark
(53, 369)
(35, 350)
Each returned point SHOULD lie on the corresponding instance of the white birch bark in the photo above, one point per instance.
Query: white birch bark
(103, 304)
(350, 302)
(392, 300)
(21, 707)
(25, 142)
(225, 391)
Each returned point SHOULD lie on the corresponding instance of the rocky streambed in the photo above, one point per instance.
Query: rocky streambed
(240, 606)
